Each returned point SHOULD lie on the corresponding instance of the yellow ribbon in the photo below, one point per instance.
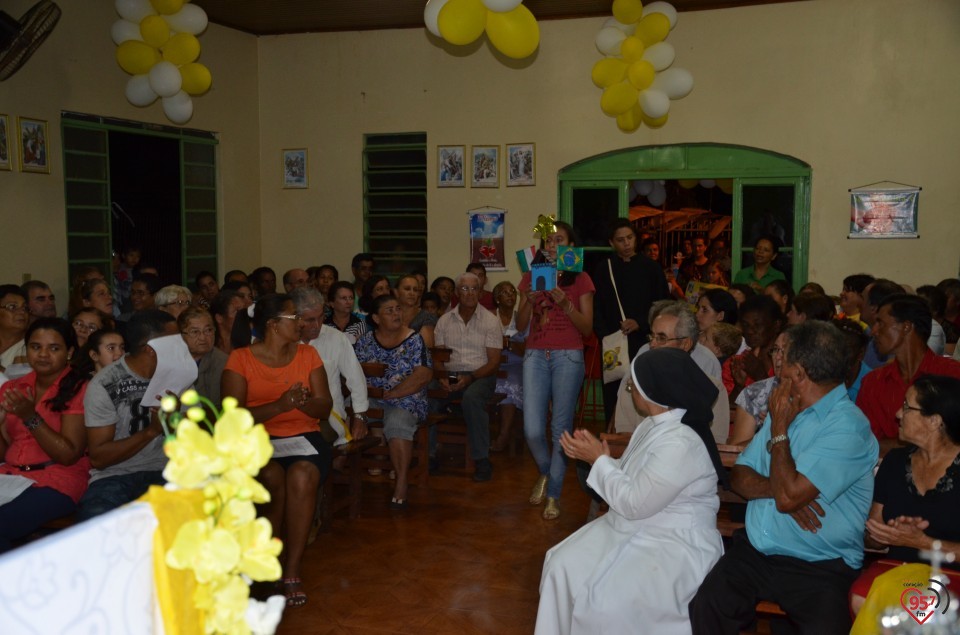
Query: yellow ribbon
(545, 226)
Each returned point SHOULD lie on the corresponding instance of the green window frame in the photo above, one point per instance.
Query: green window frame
(746, 166)
(86, 160)
(395, 200)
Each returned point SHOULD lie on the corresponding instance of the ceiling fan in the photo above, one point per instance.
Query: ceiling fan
(19, 39)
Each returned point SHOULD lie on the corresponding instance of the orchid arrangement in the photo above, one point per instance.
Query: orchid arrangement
(229, 546)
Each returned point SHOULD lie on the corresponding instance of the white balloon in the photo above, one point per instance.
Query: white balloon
(430, 14)
(662, 7)
(502, 6)
(627, 29)
(708, 183)
(134, 10)
(675, 82)
(178, 108)
(658, 196)
(190, 19)
(643, 187)
(661, 55)
(165, 79)
(609, 39)
(139, 92)
(123, 31)
(654, 103)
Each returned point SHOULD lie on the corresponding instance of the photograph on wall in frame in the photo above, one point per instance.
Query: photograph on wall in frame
(486, 166)
(5, 162)
(450, 166)
(33, 145)
(295, 168)
(487, 244)
(521, 164)
(887, 211)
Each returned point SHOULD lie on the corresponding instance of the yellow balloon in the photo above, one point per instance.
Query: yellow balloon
(627, 11)
(514, 33)
(137, 57)
(631, 49)
(154, 30)
(630, 120)
(725, 185)
(462, 21)
(655, 123)
(618, 99)
(196, 78)
(688, 184)
(641, 74)
(181, 49)
(653, 28)
(608, 71)
(167, 7)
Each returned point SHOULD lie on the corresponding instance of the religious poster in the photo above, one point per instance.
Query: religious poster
(889, 212)
(486, 238)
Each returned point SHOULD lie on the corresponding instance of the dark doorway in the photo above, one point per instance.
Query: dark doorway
(145, 190)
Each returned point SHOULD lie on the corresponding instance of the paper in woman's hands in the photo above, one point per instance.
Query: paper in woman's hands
(176, 371)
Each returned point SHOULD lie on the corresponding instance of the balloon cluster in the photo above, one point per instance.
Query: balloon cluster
(725, 185)
(511, 27)
(157, 44)
(654, 190)
(636, 77)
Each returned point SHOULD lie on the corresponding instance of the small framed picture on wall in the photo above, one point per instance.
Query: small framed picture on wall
(5, 161)
(450, 166)
(294, 168)
(34, 155)
(521, 164)
(485, 170)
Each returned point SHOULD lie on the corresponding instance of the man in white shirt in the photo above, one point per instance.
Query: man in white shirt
(474, 336)
(339, 360)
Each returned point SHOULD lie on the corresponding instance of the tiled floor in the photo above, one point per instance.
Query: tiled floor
(465, 558)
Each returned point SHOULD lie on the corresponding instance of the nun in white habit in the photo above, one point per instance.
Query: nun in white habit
(635, 569)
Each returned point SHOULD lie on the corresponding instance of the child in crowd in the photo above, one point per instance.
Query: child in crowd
(723, 339)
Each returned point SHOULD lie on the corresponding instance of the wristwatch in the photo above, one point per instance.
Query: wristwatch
(780, 438)
(359, 415)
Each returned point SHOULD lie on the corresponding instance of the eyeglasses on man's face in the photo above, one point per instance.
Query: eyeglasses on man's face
(469, 290)
(660, 338)
(196, 333)
(14, 308)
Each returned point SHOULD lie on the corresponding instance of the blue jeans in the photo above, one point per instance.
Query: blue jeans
(550, 376)
(111, 492)
(29, 511)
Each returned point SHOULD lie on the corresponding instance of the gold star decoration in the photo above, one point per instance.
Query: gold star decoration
(545, 226)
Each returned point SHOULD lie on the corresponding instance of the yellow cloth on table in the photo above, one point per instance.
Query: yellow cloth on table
(885, 592)
(174, 588)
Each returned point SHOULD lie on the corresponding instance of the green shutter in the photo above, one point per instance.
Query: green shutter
(86, 168)
(198, 202)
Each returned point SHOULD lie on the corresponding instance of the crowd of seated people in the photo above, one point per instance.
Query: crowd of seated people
(68, 393)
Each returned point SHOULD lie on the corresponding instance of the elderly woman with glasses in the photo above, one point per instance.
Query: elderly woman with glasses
(173, 299)
(643, 561)
(404, 383)
(13, 324)
(196, 327)
(915, 494)
(283, 384)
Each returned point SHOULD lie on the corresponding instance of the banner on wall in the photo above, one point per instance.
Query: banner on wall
(889, 212)
(487, 244)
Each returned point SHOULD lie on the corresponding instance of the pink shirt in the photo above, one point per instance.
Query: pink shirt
(550, 326)
(24, 449)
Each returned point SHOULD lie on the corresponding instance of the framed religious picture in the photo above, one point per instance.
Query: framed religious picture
(521, 164)
(485, 169)
(884, 210)
(5, 161)
(294, 163)
(34, 155)
(450, 166)
(486, 238)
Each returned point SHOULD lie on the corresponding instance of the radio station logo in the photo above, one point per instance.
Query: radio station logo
(921, 605)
